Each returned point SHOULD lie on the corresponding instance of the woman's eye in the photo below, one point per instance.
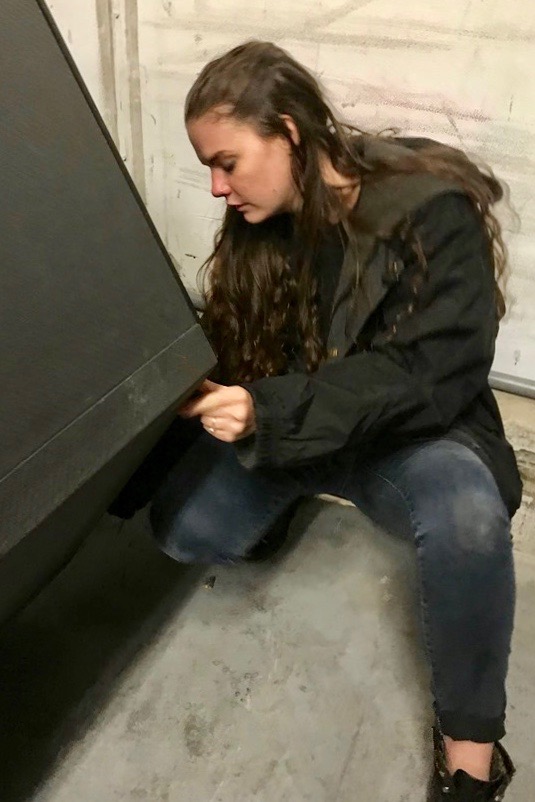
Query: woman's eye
(228, 168)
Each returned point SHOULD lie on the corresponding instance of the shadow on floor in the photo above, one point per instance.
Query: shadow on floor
(61, 656)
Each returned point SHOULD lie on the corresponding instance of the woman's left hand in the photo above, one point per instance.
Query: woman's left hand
(226, 412)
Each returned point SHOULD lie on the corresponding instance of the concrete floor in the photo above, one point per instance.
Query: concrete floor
(133, 678)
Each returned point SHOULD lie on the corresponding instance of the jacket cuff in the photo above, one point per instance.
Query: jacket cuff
(259, 449)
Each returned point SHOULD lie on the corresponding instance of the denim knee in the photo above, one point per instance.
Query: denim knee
(453, 497)
(192, 535)
(480, 522)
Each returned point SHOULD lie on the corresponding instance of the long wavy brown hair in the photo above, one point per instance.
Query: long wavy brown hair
(259, 288)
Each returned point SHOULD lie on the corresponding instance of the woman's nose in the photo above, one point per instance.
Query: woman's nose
(220, 187)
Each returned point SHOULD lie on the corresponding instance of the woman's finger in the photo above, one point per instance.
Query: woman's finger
(223, 397)
(223, 424)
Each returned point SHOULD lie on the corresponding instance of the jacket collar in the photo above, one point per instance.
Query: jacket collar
(383, 205)
(385, 202)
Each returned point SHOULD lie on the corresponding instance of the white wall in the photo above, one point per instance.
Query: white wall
(460, 71)
(78, 25)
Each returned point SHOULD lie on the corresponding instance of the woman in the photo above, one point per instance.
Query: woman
(353, 300)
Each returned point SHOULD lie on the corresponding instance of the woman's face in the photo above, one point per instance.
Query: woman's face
(251, 172)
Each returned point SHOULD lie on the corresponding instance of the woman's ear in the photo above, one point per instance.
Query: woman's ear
(292, 128)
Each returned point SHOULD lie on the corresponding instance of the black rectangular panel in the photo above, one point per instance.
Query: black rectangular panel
(99, 338)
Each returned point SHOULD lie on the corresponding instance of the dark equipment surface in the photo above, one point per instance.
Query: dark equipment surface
(100, 342)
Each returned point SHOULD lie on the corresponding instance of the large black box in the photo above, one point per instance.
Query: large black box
(99, 339)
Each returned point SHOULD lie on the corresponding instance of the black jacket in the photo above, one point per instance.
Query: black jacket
(403, 366)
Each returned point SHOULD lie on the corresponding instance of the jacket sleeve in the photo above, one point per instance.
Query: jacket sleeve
(411, 385)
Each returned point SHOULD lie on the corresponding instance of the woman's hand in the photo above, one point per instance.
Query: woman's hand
(226, 412)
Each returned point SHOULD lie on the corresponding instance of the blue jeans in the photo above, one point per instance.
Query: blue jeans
(438, 493)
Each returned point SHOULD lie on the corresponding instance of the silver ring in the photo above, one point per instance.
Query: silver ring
(211, 429)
